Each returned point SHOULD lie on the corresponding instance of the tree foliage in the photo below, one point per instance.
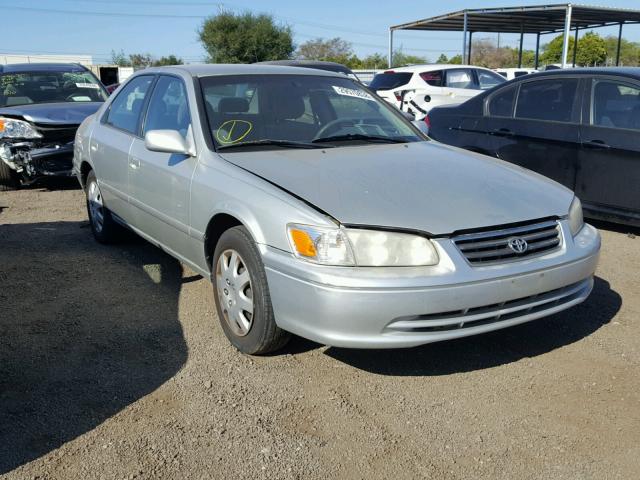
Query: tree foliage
(245, 38)
(332, 50)
(168, 60)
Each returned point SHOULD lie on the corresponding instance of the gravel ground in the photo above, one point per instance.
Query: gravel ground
(113, 365)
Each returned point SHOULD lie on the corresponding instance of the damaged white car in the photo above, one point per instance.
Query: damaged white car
(41, 107)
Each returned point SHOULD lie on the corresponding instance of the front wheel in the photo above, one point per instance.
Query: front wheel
(104, 227)
(9, 179)
(242, 296)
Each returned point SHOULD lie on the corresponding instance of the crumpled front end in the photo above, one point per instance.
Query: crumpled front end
(50, 155)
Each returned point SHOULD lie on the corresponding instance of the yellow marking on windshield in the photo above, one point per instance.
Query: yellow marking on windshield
(244, 127)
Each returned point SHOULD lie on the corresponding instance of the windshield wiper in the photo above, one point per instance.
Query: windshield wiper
(360, 136)
(270, 142)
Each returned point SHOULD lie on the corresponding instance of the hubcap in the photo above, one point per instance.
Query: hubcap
(235, 294)
(96, 208)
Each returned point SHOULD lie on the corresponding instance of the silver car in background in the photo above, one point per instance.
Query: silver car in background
(316, 209)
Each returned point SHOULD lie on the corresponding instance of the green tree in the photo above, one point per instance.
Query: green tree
(552, 51)
(120, 59)
(168, 60)
(592, 50)
(400, 58)
(245, 38)
(332, 50)
(456, 60)
(442, 59)
(629, 51)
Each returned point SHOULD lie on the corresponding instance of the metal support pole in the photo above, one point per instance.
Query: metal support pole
(575, 47)
(390, 55)
(536, 62)
(520, 49)
(619, 42)
(470, 43)
(464, 39)
(565, 43)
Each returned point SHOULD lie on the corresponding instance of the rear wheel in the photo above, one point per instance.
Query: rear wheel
(104, 227)
(9, 179)
(242, 296)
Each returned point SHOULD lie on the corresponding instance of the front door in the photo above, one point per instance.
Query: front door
(161, 182)
(609, 161)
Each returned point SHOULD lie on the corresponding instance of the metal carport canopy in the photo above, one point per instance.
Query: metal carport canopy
(537, 19)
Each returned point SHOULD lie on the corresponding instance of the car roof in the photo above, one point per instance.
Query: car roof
(626, 71)
(431, 66)
(208, 70)
(320, 65)
(42, 67)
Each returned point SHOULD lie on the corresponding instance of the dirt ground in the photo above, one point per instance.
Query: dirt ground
(113, 365)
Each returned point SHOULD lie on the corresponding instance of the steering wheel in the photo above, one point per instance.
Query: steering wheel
(338, 122)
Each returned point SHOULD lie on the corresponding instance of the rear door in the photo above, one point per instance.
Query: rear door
(609, 162)
(543, 134)
(111, 141)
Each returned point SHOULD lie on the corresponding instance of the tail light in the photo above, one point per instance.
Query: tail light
(427, 121)
(398, 95)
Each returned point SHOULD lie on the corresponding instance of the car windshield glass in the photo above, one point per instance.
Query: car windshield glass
(281, 111)
(49, 87)
(390, 80)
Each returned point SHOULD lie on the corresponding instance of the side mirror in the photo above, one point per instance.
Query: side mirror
(167, 141)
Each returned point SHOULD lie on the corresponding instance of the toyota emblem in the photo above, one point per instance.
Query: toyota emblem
(517, 244)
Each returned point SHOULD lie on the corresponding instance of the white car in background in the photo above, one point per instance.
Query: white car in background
(417, 89)
(511, 73)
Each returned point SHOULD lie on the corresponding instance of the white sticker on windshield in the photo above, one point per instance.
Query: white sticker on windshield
(351, 92)
(87, 85)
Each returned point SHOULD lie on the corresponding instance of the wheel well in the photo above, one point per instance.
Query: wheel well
(219, 224)
(85, 168)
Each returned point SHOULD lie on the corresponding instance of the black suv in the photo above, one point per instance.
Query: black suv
(579, 127)
(41, 107)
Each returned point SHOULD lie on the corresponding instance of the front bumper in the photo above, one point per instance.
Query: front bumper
(34, 160)
(409, 306)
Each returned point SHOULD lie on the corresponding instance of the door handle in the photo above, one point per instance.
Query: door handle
(600, 144)
(503, 132)
(134, 163)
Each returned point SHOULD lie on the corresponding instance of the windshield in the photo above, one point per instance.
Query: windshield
(49, 87)
(286, 111)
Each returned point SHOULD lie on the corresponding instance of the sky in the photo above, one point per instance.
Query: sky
(163, 27)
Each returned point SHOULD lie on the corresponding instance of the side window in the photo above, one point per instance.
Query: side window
(501, 102)
(460, 78)
(488, 80)
(551, 99)
(615, 104)
(168, 108)
(432, 78)
(124, 112)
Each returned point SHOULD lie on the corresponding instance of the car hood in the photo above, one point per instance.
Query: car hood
(64, 113)
(422, 186)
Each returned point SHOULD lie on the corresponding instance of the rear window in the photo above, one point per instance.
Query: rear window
(432, 78)
(390, 80)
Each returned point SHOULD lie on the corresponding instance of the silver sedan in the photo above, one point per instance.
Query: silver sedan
(317, 209)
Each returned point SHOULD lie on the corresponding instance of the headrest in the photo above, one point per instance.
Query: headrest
(285, 104)
(233, 105)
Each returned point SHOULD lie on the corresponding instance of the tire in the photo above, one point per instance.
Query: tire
(8, 178)
(103, 226)
(240, 282)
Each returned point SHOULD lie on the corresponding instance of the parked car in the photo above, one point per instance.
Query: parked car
(315, 208)
(418, 88)
(511, 73)
(579, 127)
(41, 107)
(317, 64)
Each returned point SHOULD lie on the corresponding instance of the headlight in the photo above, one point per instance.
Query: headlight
(12, 128)
(576, 221)
(364, 248)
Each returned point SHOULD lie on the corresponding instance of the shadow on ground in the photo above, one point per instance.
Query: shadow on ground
(495, 348)
(85, 330)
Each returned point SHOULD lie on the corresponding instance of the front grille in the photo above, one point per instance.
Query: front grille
(492, 246)
(57, 134)
(487, 314)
